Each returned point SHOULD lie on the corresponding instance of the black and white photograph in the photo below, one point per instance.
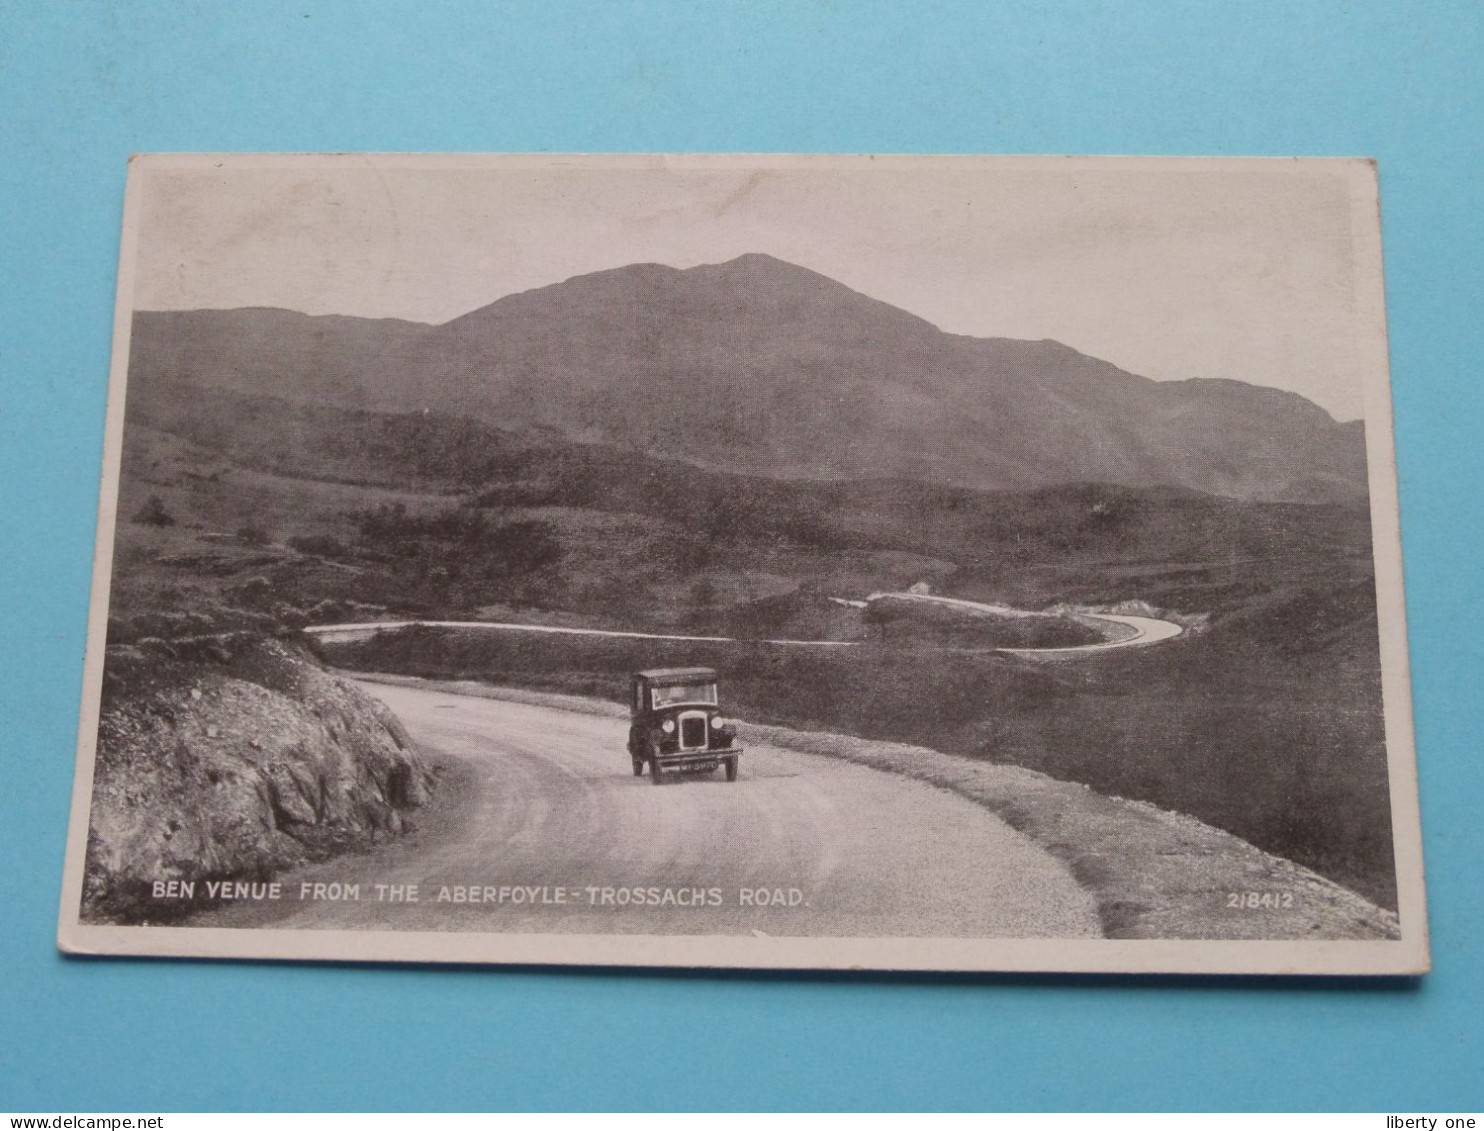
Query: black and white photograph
(761, 561)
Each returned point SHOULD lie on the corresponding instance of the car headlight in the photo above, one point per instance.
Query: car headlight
(668, 726)
(719, 722)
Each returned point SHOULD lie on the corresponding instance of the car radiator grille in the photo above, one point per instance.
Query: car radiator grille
(692, 732)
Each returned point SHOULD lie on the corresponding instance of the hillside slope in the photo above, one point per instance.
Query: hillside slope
(641, 534)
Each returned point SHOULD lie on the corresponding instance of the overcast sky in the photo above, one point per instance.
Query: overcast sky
(1169, 269)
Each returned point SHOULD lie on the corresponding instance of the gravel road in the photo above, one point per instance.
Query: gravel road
(1145, 630)
(543, 799)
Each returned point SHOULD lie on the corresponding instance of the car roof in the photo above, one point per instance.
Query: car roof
(677, 675)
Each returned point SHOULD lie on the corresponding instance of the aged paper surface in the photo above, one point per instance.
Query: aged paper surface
(767, 561)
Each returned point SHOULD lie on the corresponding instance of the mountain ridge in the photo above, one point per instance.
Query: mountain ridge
(767, 367)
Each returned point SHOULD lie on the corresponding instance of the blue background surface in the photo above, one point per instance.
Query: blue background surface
(83, 84)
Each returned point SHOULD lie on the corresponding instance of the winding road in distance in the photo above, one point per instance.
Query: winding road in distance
(543, 800)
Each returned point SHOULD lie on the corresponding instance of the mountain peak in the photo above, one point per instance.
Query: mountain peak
(751, 267)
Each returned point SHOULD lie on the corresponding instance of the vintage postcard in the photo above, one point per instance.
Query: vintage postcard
(901, 563)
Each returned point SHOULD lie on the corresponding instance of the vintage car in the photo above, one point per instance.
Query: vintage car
(675, 724)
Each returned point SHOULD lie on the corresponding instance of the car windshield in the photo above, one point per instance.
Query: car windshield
(683, 693)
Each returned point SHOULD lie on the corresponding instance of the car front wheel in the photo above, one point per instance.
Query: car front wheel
(731, 764)
(656, 773)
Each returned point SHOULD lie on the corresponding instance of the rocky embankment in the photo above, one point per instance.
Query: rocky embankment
(232, 757)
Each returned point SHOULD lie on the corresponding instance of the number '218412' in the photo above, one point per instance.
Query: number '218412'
(1257, 900)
